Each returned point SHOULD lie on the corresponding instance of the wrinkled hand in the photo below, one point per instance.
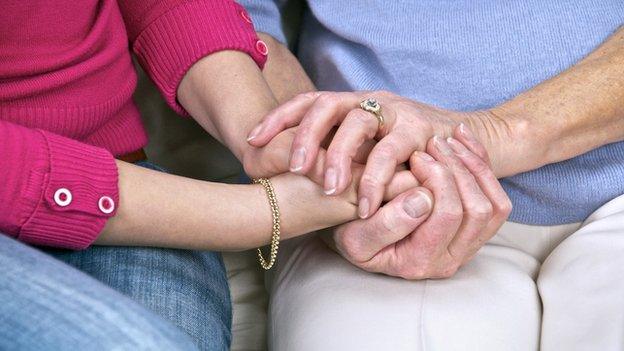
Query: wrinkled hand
(408, 127)
(408, 239)
(273, 159)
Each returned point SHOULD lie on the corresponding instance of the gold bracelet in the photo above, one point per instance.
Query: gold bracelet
(275, 236)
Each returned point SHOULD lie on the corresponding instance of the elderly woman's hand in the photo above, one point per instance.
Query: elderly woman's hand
(408, 125)
(437, 217)
(272, 159)
(409, 239)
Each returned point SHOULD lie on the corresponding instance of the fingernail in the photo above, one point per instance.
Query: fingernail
(297, 159)
(442, 146)
(363, 208)
(417, 205)
(424, 156)
(254, 133)
(457, 147)
(331, 181)
(463, 130)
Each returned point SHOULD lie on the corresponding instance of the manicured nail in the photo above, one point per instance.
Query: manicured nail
(297, 160)
(425, 156)
(254, 133)
(331, 181)
(442, 146)
(363, 208)
(417, 205)
(457, 147)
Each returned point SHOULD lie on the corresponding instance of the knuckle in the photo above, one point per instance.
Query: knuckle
(425, 269)
(415, 272)
(480, 211)
(439, 170)
(360, 116)
(449, 270)
(480, 168)
(386, 151)
(483, 155)
(310, 95)
(370, 181)
(505, 207)
(334, 157)
(349, 245)
(458, 169)
(328, 99)
(307, 96)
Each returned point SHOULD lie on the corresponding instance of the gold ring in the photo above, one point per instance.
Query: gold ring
(371, 105)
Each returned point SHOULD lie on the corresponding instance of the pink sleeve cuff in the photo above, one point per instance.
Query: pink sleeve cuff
(173, 42)
(70, 193)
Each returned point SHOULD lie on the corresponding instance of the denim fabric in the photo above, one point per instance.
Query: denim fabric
(187, 288)
(122, 298)
(48, 305)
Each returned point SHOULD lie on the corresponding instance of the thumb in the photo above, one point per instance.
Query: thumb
(359, 240)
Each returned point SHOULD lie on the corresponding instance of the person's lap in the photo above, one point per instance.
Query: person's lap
(581, 285)
(48, 305)
(186, 288)
(320, 301)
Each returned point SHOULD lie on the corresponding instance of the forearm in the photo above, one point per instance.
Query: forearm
(283, 72)
(575, 112)
(227, 95)
(158, 209)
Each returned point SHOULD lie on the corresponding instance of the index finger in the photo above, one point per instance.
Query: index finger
(287, 115)
(394, 149)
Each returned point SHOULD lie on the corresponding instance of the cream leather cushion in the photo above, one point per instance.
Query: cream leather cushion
(184, 148)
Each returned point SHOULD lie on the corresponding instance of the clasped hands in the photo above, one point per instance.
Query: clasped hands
(427, 196)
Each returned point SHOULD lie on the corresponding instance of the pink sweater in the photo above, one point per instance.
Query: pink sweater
(66, 109)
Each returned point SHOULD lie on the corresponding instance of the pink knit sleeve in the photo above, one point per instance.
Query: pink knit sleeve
(169, 36)
(55, 191)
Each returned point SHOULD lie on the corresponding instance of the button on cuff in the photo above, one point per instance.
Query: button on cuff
(63, 197)
(106, 204)
(262, 48)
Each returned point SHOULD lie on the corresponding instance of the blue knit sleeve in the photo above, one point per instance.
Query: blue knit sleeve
(266, 16)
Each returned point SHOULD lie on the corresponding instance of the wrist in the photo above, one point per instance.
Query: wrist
(227, 95)
(509, 138)
(305, 208)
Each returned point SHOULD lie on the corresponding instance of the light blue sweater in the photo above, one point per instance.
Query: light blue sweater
(466, 55)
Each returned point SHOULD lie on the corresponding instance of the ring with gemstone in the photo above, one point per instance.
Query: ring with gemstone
(371, 105)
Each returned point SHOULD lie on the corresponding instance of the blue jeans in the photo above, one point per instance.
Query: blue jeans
(104, 298)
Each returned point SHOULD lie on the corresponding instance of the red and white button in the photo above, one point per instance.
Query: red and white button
(63, 197)
(106, 204)
(262, 48)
